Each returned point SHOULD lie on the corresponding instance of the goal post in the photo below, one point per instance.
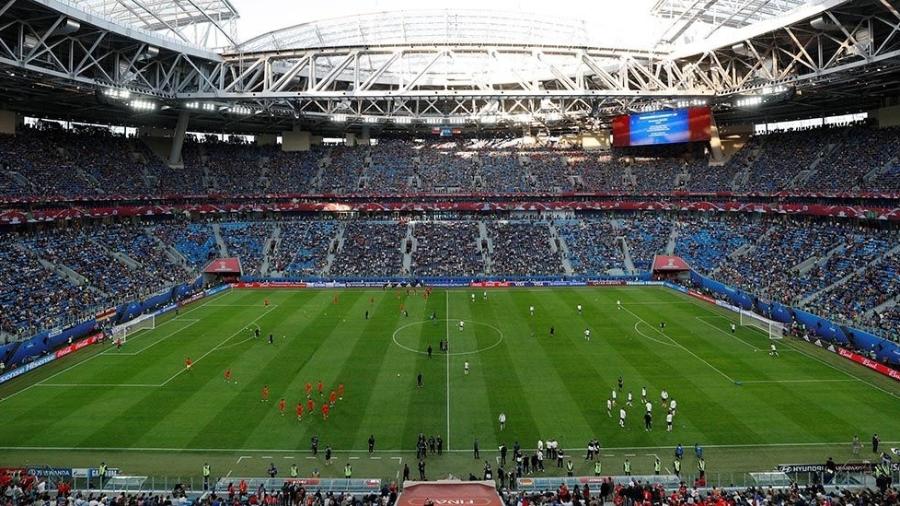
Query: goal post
(124, 330)
(775, 330)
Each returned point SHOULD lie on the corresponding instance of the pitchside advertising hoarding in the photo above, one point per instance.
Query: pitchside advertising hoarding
(662, 127)
(849, 467)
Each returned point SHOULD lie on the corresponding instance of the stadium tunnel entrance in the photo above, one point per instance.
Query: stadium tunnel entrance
(449, 493)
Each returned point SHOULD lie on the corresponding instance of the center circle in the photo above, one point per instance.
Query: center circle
(467, 341)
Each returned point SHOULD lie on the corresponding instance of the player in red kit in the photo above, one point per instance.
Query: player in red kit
(281, 406)
(321, 393)
(324, 411)
(332, 398)
(264, 394)
(310, 406)
(227, 375)
(188, 363)
(308, 389)
(341, 391)
(299, 411)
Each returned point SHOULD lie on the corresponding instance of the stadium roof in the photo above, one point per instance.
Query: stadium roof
(205, 23)
(722, 13)
(613, 25)
(447, 27)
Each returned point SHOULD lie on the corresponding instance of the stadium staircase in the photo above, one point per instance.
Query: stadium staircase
(89, 179)
(741, 179)
(161, 147)
(485, 246)
(877, 172)
(626, 255)
(623, 244)
(362, 182)
(270, 246)
(558, 246)
(673, 240)
(629, 178)
(20, 179)
(883, 306)
(682, 179)
(806, 265)
(337, 243)
(742, 250)
(217, 233)
(408, 246)
(894, 251)
(65, 272)
(118, 255)
(804, 176)
(171, 252)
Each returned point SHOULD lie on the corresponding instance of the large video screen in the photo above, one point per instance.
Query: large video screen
(662, 127)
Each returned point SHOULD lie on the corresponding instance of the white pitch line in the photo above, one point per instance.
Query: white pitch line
(855, 377)
(729, 334)
(239, 305)
(76, 364)
(799, 381)
(170, 334)
(98, 385)
(447, 331)
(714, 368)
(164, 383)
(636, 329)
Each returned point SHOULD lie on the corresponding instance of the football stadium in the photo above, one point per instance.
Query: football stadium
(380, 253)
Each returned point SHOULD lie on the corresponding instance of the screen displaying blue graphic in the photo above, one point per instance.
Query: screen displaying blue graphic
(661, 127)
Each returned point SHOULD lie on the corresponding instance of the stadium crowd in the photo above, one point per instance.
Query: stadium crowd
(446, 249)
(641, 493)
(522, 248)
(370, 248)
(246, 241)
(592, 244)
(837, 268)
(47, 160)
(302, 247)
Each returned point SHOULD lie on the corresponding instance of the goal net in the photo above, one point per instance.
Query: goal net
(775, 330)
(143, 322)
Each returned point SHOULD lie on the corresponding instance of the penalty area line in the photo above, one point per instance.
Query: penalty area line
(714, 368)
(216, 347)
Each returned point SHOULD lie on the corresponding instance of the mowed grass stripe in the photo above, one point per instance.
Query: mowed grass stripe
(700, 390)
(513, 371)
(736, 399)
(245, 420)
(72, 405)
(394, 382)
(421, 410)
(559, 385)
(561, 372)
(474, 402)
(210, 422)
(184, 398)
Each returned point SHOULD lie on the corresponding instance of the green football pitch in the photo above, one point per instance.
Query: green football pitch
(138, 408)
